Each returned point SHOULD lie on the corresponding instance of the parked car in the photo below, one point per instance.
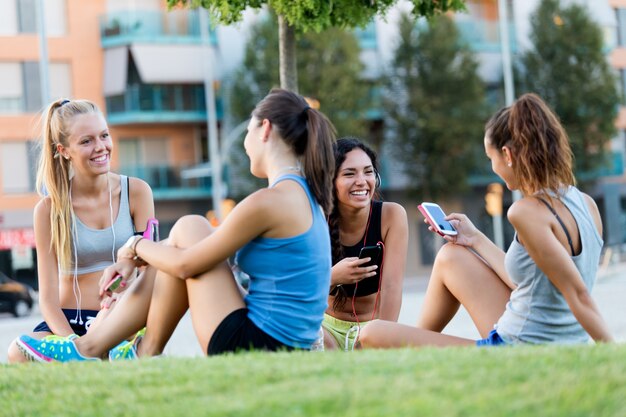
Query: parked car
(15, 298)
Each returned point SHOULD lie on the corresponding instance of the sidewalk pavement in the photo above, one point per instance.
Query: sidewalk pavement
(609, 294)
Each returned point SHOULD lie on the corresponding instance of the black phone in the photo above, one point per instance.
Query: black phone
(375, 253)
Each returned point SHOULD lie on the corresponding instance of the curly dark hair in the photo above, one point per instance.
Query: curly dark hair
(341, 148)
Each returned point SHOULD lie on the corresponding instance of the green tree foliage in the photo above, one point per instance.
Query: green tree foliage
(568, 68)
(436, 106)
(330, 72)
(317, 15)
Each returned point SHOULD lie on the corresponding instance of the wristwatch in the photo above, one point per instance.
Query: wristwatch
(131, 243)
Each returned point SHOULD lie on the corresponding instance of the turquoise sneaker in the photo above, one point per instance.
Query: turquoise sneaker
(127, 350)
(51, 349)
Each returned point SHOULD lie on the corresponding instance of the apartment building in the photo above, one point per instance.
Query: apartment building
(140, 64)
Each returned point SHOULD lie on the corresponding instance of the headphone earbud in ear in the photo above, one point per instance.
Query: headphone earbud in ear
(378, 180)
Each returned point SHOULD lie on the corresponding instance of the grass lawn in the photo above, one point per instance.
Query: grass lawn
(520, 381)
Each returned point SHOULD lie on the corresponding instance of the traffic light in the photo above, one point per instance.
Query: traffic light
(493, 199)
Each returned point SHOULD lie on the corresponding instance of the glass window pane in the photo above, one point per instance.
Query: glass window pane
(27, 16)
(15, 167)
(8, 18)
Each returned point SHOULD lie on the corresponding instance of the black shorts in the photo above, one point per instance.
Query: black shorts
(86, 317)
(238, 333)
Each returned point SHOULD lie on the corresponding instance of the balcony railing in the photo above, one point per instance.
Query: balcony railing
(167, 182)
(148, 26)
(165, 103)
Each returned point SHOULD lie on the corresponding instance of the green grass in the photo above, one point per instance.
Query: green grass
(520, 381)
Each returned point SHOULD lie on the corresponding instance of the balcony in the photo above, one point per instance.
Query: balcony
(149, 26)
(165, 103)
(484, 36)
(169, 183)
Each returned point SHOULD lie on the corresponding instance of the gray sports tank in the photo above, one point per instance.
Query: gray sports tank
(537, 311)
(94, 246)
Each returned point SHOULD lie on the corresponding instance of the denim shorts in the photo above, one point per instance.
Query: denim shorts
(493, 339)
(85, 317)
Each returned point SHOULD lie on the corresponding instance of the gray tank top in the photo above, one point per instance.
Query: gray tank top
(94, 246)
(537, 311)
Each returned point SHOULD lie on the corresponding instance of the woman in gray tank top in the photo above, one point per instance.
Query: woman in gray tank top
(539, 291)
(86, 214)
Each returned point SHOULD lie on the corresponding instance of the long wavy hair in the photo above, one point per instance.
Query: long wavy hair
(341, 148)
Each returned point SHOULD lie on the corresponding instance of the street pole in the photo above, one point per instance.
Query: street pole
(44, 84)
(209, 94)
(507, 68)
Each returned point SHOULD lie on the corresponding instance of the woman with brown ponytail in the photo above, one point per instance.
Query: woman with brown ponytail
(359, 292)
(86, 214)
(539, 290)
(279, 235)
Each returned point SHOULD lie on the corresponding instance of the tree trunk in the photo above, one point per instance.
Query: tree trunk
(287, 51)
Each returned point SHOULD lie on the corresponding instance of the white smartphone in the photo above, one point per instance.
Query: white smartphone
(437, 219)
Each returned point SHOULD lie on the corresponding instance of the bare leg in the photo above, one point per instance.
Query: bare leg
(14, 355)
(461, 277)
(458, 277)
(329, 341)
(211, 296)
(389, 334)
(128, 316)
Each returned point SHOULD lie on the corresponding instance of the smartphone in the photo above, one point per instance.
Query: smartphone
(373, 252)
(437, 219)
(114, 283)
(152, 230)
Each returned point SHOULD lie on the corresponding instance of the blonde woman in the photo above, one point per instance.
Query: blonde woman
(86, 214)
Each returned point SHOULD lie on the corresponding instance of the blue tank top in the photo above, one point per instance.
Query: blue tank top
(289, 279)
(537, 311)
(94, 247)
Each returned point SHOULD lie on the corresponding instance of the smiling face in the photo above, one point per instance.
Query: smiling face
(356, 180)
(89, 144)
(500, 160)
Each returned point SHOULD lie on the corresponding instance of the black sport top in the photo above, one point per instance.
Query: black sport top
(369, 285)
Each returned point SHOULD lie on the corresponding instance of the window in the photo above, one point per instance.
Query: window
(18, 167)
(20, 16)
(621, 27)
(11, 83)
(20, 89)
(146, 158)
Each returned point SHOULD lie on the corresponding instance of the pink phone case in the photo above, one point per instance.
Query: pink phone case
(429, 220)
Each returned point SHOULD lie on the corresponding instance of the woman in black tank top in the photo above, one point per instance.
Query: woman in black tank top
(358, 293)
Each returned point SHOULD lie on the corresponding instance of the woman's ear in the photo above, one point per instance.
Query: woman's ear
(266, 129)
(508, 156)
(61, 151)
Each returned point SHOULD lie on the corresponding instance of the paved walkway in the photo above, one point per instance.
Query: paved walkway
(609, 293)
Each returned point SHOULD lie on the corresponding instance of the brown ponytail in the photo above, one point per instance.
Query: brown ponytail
(540, 145)
(309, 133)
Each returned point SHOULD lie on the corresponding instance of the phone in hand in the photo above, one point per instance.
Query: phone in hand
(114, 283)
(437, 219)
(374, 253)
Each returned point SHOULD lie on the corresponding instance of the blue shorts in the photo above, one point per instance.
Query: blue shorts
(86, 317)
(493, 339)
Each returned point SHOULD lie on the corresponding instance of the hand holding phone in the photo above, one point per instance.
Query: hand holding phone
(114, 283)
(437, 219)
(374, 253)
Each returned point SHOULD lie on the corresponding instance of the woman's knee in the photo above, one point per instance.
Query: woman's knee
(372, 334)
(451, 255)
(188, 230)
